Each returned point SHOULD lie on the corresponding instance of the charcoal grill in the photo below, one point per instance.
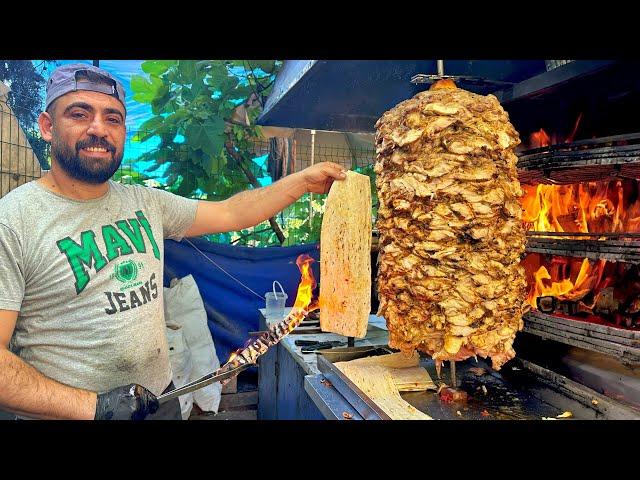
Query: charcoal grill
(607, 147)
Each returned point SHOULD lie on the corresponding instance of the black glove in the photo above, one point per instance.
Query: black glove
(132, 402)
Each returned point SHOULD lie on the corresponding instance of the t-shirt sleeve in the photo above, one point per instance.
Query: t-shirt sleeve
(11, 270)
(178, 213)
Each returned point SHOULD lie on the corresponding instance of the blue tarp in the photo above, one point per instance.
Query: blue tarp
(232, 309)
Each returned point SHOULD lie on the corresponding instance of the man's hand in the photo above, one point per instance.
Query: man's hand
(132, 402)
(319, 177)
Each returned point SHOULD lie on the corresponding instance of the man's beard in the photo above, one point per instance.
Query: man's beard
(87, 170)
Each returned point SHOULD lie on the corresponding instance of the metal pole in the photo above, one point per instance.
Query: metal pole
(440, 64)
(452, 364)
(313, 145)
(96, 63)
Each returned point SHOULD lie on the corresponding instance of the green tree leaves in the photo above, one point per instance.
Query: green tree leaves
(209, 137)
(157, 67)
(193, 103)
(145, 90)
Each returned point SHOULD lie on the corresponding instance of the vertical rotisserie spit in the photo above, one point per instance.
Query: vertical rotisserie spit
(451, 236)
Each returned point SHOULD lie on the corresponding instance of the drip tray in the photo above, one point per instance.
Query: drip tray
(521, 390)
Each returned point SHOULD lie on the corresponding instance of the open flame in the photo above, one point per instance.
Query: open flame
(307, 284)
(567, 278)
(539, 139)
(596, 290)
(303, 305)
(590, 207)
(542, 139)
(611, 206)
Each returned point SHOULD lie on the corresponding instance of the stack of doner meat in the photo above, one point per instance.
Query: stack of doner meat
(451, 236)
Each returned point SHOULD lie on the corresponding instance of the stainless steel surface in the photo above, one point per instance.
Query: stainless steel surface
(366, 407)
(610, 409)
(331, 404)
(513, 393)
(348, 353)
(521, 390)
(202, 382)
(620, 343)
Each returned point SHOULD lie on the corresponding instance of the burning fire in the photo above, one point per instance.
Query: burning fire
(542, 139)
(567, 278)
(307, 284)
(591, 207)
(597, 290)
(303, 305)
(539, 139)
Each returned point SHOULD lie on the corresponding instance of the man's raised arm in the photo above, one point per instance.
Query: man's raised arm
(252, 207)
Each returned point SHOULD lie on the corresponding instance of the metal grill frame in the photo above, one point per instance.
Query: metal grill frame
(582, 161)
(617, 342)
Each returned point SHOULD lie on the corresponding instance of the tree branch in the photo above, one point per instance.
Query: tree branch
(247, 235)
(228, 145)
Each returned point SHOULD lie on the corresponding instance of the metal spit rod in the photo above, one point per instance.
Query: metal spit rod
(452, 363)
(452, 367)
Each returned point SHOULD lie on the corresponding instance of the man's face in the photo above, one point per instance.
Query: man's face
(87, 133)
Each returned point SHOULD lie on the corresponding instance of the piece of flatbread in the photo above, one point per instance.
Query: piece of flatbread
(407, 375)
(345, 257)
(413, 379)
(392, 360)
(377, 383)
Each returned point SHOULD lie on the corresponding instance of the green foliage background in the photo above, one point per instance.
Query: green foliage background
(210, 153)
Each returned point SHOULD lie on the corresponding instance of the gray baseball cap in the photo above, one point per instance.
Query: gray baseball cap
(82, 76)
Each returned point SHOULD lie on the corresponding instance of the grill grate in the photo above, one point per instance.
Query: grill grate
(582, 161)
(618, 246)
(615, 251)
(618, 342)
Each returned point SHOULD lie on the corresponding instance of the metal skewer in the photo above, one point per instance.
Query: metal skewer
(464, 79)
(452, 368)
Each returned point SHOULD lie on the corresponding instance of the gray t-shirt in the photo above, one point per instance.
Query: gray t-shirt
(86, 279)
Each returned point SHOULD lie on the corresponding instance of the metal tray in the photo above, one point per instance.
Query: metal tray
(521, 390)
(366, 407)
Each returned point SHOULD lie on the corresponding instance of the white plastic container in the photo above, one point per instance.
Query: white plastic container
(275, 302)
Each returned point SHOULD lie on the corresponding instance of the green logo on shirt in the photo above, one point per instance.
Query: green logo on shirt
(126, 272)
(87, 254)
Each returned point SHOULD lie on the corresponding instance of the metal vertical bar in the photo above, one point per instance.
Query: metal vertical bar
(10, 146)
(313, 145)
(25, 150)
(1, 146)
(454, 380)
(440, 66)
